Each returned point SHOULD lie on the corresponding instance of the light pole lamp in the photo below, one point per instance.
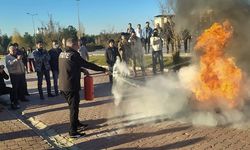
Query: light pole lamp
(78, 15)
(33, 22)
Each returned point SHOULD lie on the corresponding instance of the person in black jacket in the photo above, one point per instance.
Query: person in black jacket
(42, 67)
(70, 64)
(6, 90)
(54, 57)
(111, 55)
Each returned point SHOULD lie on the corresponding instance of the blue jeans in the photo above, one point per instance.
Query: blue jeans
(157, 55)
(40, 81)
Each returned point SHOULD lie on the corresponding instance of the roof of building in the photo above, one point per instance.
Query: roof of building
(158, 16)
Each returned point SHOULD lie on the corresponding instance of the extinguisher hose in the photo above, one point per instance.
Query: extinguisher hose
(97, 73)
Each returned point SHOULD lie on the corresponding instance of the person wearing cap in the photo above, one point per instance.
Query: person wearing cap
(157, 44)
(42, 67)
(111, 55)
(16, 70)
(70, 67)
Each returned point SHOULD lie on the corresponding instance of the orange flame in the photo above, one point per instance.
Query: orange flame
(219, 77)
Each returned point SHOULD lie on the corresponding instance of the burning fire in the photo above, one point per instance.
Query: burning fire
(219, 77)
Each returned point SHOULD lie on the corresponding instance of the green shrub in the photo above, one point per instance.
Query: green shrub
(92, 47)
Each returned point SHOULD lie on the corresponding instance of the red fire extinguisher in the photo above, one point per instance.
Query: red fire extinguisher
(88, 88)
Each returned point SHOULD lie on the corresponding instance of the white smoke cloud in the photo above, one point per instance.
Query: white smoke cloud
(169, 97)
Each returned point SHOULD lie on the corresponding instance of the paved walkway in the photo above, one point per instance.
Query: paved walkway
(14, 134)
(112, 129)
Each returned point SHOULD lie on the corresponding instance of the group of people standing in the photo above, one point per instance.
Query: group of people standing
(143, 34)
(132, 46)
(167, 32)
(19, 62)
(66, 66)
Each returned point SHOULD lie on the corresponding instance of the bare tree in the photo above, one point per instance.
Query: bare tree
(162, 7)
(166, 7)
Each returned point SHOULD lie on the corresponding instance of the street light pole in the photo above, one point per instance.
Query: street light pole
(33, 22)
(79, 25)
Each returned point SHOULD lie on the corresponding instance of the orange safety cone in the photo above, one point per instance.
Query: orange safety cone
(88, 88)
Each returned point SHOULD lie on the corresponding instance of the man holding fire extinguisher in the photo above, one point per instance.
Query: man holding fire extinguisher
(70, 64)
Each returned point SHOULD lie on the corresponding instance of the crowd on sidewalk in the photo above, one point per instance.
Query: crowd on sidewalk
(19, 62)
(134, 43)
(66, 63)
(71, 61)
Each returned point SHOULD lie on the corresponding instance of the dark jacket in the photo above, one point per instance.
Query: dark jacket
(147, 33)
(54, 58)
(42, 59)
(3, 76)
(23, 54)
(70, 63)
(111, 56)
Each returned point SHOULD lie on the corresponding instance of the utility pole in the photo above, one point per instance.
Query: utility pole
(79, 23)
(33, 22)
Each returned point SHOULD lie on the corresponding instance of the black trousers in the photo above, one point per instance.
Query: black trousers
(40, 81)
(55, 79)
(18, 87)
(7, 90)
(147, 45)
(186, 45)
(25, 85)
(111, 75)
(170, 42)
(73, 100)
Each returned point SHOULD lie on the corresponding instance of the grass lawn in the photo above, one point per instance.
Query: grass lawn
(168, 61)
(1, 56)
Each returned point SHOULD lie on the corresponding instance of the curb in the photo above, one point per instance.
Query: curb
(21, 120)
(60, 141)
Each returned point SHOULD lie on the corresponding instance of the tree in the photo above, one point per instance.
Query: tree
(104, 36)
(69, 32)
(167, 7)
(48, 32)
(5, 41)
(17, 38)
(28, 40)
(51, 26)
(89, 38)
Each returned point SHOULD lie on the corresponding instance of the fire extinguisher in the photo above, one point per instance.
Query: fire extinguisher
(88, 88)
